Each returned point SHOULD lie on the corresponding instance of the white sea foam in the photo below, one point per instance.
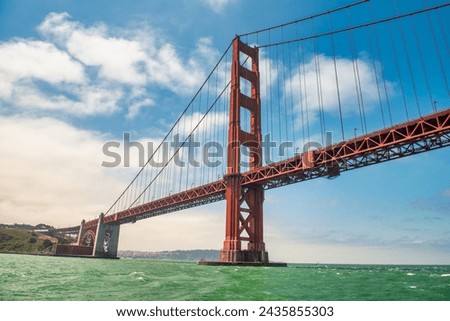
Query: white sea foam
(137, 274)
(413, 287)
(445, 275)
(410, 274)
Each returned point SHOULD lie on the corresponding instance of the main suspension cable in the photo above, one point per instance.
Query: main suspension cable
(363, 25)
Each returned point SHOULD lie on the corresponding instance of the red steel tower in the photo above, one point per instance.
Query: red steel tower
(244, 205)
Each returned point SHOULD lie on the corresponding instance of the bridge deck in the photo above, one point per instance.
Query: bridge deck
(412, 137)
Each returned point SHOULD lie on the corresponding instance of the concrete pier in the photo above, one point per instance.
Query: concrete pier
(256, 264)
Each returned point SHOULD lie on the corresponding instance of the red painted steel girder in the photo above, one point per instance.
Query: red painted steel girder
(413, 137)
(197, 196)
(68, 230)
(91, 224)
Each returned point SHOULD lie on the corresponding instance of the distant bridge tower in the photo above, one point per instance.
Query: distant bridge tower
(244, 206)
(95, 238)
(106, 239)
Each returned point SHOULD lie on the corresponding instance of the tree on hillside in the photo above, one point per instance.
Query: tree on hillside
(47, 243)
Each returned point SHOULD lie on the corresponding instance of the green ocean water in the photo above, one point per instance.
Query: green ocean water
(24, 277)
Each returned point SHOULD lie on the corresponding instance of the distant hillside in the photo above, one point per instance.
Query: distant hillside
(26, 238)
(26, 226)
(25, 241)
(193, 255)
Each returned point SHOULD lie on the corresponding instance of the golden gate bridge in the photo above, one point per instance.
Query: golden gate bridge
(268, 112)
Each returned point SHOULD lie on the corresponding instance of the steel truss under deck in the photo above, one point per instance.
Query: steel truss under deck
(413, 137)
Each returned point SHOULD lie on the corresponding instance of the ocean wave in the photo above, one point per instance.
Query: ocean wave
(137, 276)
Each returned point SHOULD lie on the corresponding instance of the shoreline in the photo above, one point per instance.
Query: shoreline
(295, 265)
(60, 255)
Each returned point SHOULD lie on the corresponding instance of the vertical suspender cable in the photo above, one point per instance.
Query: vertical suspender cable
(225, 113)
(291, 75)
(443, 31)
(408, 60)
(278, 96)
(356, 76)
(285, 121)
(215, 124)
(337, 83)
(270, 100)
(438, 53)
(205, 132)
(377, 43)
(306, 95)
(319, 89)
(422, 63)
(375, 72)
(300, 93)
(397, 67)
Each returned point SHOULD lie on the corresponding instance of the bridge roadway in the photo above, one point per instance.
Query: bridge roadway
(67, 230)
(412, 137)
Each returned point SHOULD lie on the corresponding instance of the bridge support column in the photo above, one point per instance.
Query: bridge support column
(244, 209)
(106, 239)
(80, 232)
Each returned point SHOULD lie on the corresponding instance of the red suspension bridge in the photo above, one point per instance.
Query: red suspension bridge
(267, 114)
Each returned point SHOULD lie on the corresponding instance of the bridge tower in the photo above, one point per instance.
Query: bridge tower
(106, 242)
(244, 205)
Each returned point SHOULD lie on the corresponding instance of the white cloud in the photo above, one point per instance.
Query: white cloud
(217, 5)
(94, 70)
(37, 75)
(57, 27)
(136, 60)
(118, 58)
(90, 100)
(305, 80)
(36, 60)
(213, 121)
(204, 53)
(135, 107)
(51, 171)
(168, 70)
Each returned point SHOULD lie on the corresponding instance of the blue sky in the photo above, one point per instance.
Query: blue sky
(77, 74)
